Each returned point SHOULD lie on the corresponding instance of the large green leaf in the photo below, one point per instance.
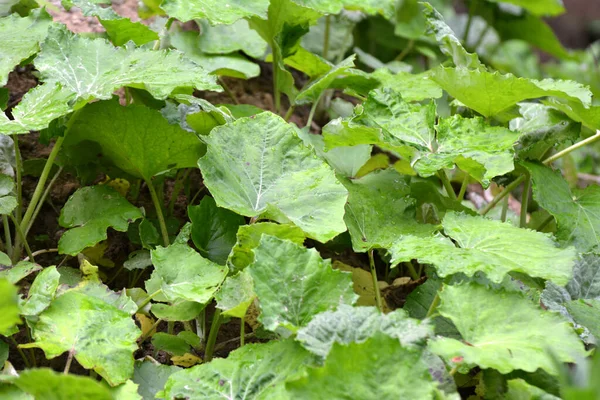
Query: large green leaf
(481, 150)
(20, 39)
(186, 274)
(78, 68)
(258, 166)
(120, 30)
(310, 284)
(236, 294)
(492, 247)
(89, 212)
(379, 368)
(379, 210)
(589, 117)
(576, 211)
(224, 39)
(248, 238)
(14, 273)
(490, 93)
(513, 334)
(9, 307)
(136, 139)
(151, 377)
(41, 292)
(100, 336)
(412, 87)
(248, 373)
(215, 11)
(214, 229)
(43, 383)
(357, 324)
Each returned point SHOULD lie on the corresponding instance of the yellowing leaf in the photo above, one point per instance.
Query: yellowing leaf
(187, 360)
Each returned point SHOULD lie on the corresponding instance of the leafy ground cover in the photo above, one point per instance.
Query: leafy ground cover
(285, 199)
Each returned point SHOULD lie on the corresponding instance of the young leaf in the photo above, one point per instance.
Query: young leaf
(170, 343)
(492, 247)
(84, 325)
(119, 30)
(225, 39)
(236, 295)
(89, 212)
(313, 91)
(258, 166)
(310, 284)
(137, 139)
(9, 307)
(248, 238)
(379, 210)
(41, 292)
(20, 39)
(249, 372)
(214, 229)
(356, 325)
(577, 212)
(379, 368)
(516, 335)
(180, 310)
(43, 383)
(151, 377)
(185, 274)
(214, 11)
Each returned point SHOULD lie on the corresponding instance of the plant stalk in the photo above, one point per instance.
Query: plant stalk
(447, 184)
(148, 300)
(7, 238)
(149, 331)
(276, 92)
(212, 336)
(159, 213)
(504, 210)
(242, 329)
(502, 194)
(23, 238)
(572, 148)
(326, 36)
(463, 188)
(434, 305)
(69, 360)
(43, 199)
(525, 202)
(375, 284)
(472, 8)
(19, 179)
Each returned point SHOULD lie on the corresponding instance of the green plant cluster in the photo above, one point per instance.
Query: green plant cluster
(437, 238)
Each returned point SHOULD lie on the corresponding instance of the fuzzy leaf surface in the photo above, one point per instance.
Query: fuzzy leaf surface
(258, 166)
(492, 247)
(514, 334)
(101, 336)
(310, 284)
(89, 212)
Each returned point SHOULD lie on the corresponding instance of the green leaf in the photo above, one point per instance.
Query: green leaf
(43, 383)
(357, 324)
(577, 212)
(151, 377)
(225, 39)
(236, 295)
(15, 273)
(586, 278)
(137, 139)
(41, 292)
(340, 37)
(412, 87)
(8, 202)
(586, 313)
(215, 11)
(9, 307)
(542, 128)
(492, 247)
(214, 229)
(519, 389)
(490, 93)
(481, 150)
(20, 39)
(379, 210)
(589, 117)
(379, 368)
(234, 64)
(516, 335)
(547, 8)
(119, 30)
(310, 284)
(170, 343)
(177, 311)
(186, 274)
(84, 325)
(248, 238)
(89, 212)
(313, 91)
(269, 172)
(249, 372)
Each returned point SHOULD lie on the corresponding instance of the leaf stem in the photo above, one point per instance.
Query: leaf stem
(472, 8)
(242, 329)
(228, 91)
(502, 194)
(7, 237)
(375, 284)
(22, 236)
(148, 300)
(289, 113)
(434, 305)
(463, 188)
(149, 331)
(406, 50)
(159, 213)
(212, 336)
(38, 208)
(544, 223)
(276, 93)
(525, 202)
(326, 36)
(572, 148)
(21, 352)
(447, 184)
(19, 180)
(69, 360)
(504, 210)
(411, 270)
